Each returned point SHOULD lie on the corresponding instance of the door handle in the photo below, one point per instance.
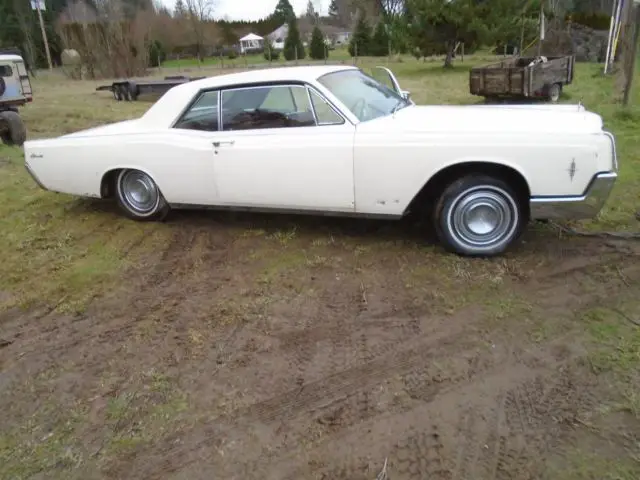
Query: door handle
(217, 143)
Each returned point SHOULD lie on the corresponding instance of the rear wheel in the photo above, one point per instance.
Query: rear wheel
(139, 197)
(478, 216)
(12, 128)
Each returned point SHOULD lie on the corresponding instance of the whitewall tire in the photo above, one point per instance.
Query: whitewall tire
(139, 197)
(478, 216)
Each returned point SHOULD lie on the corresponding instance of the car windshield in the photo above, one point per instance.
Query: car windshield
(365, 97)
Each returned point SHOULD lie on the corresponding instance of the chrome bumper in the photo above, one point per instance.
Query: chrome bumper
(34, 176)
(579, 207)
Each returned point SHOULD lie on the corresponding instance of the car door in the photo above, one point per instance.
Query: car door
(283, 147)
(386, 77)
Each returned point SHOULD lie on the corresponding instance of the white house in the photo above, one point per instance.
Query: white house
(251, 42)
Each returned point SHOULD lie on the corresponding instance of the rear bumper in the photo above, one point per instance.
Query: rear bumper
(34, 176)
(584, 206)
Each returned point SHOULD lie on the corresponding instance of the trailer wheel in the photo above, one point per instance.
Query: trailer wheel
(133, 91)
(12, 128)
(554, 92)
(114, 90)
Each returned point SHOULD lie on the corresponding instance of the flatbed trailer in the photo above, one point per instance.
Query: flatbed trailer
(523, 78)
(130, 90)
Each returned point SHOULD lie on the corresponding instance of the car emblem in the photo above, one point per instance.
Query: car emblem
(572, 169)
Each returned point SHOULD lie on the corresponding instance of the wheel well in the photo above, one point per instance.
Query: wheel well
(431, 191)
(108, 183)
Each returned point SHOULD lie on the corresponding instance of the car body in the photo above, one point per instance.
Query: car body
(333, 140)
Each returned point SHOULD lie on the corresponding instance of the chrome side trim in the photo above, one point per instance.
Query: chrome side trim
(613, 148)
(34, 176)
(575, 207)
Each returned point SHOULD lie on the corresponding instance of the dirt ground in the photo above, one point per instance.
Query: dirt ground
(288, 347)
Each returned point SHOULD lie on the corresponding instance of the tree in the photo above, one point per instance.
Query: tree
(361, 38)
(311, 13)
(179, 10)
(333, 10)
(199, 12)
(293, 47)
(317, 48)
(283, 12)
(379, 46)
(438, 25)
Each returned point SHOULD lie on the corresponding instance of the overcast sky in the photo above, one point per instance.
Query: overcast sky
(254, 9)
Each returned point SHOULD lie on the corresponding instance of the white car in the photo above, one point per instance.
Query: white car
(333, 140)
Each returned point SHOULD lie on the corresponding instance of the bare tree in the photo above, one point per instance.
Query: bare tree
(199, 12)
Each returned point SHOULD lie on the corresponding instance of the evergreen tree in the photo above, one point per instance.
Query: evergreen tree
(361, 38)
(317, 48)
(379, 46)
(333, 9)
(270, 53)
(293, 47)
(283, 12)
(179, 11)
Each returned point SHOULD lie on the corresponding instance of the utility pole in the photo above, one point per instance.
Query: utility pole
(542, 28)
(39, 4)
(631, 31)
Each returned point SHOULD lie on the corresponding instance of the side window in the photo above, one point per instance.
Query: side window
(203, 114)
(275, 106)
(325, 114)
(6, 71)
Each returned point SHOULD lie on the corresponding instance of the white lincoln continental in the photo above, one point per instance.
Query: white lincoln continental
(334, 140)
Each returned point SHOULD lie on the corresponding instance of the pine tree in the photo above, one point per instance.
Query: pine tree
(333, 9)
(283, 12)
(293, 47)
(379, 46)
(361, 39)
(317, 47)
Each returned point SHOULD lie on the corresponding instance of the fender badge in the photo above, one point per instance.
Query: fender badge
(572, 169)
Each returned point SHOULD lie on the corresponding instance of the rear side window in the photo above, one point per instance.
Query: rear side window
(6, 71)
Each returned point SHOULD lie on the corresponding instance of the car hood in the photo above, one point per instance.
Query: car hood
(489, 119)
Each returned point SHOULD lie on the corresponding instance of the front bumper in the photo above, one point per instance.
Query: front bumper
(584, 206)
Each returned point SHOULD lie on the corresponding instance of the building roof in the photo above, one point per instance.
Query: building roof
(251, 36)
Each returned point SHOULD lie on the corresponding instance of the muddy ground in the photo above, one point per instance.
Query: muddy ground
(276, 347)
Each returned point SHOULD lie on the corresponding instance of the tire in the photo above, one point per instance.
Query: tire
(132, 186)
(12, 128)
(554, 92)
(463, 196)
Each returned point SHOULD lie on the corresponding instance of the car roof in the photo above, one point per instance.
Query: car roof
(306, 73)
(173, 102)
(10, 57)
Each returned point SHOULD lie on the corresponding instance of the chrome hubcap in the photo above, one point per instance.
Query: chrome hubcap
(139, 192)
(483, 217)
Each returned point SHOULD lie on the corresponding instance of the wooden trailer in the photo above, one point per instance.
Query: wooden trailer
(523, 77)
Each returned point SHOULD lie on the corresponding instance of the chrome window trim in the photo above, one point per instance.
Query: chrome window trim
(310, 89)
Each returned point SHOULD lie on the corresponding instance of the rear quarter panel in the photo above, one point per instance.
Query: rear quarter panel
(181, 164)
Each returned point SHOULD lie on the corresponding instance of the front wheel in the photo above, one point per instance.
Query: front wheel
(478, 216)
(139, 197)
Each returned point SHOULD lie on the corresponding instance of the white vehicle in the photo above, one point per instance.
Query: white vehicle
(332, 140)
(15, 91)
